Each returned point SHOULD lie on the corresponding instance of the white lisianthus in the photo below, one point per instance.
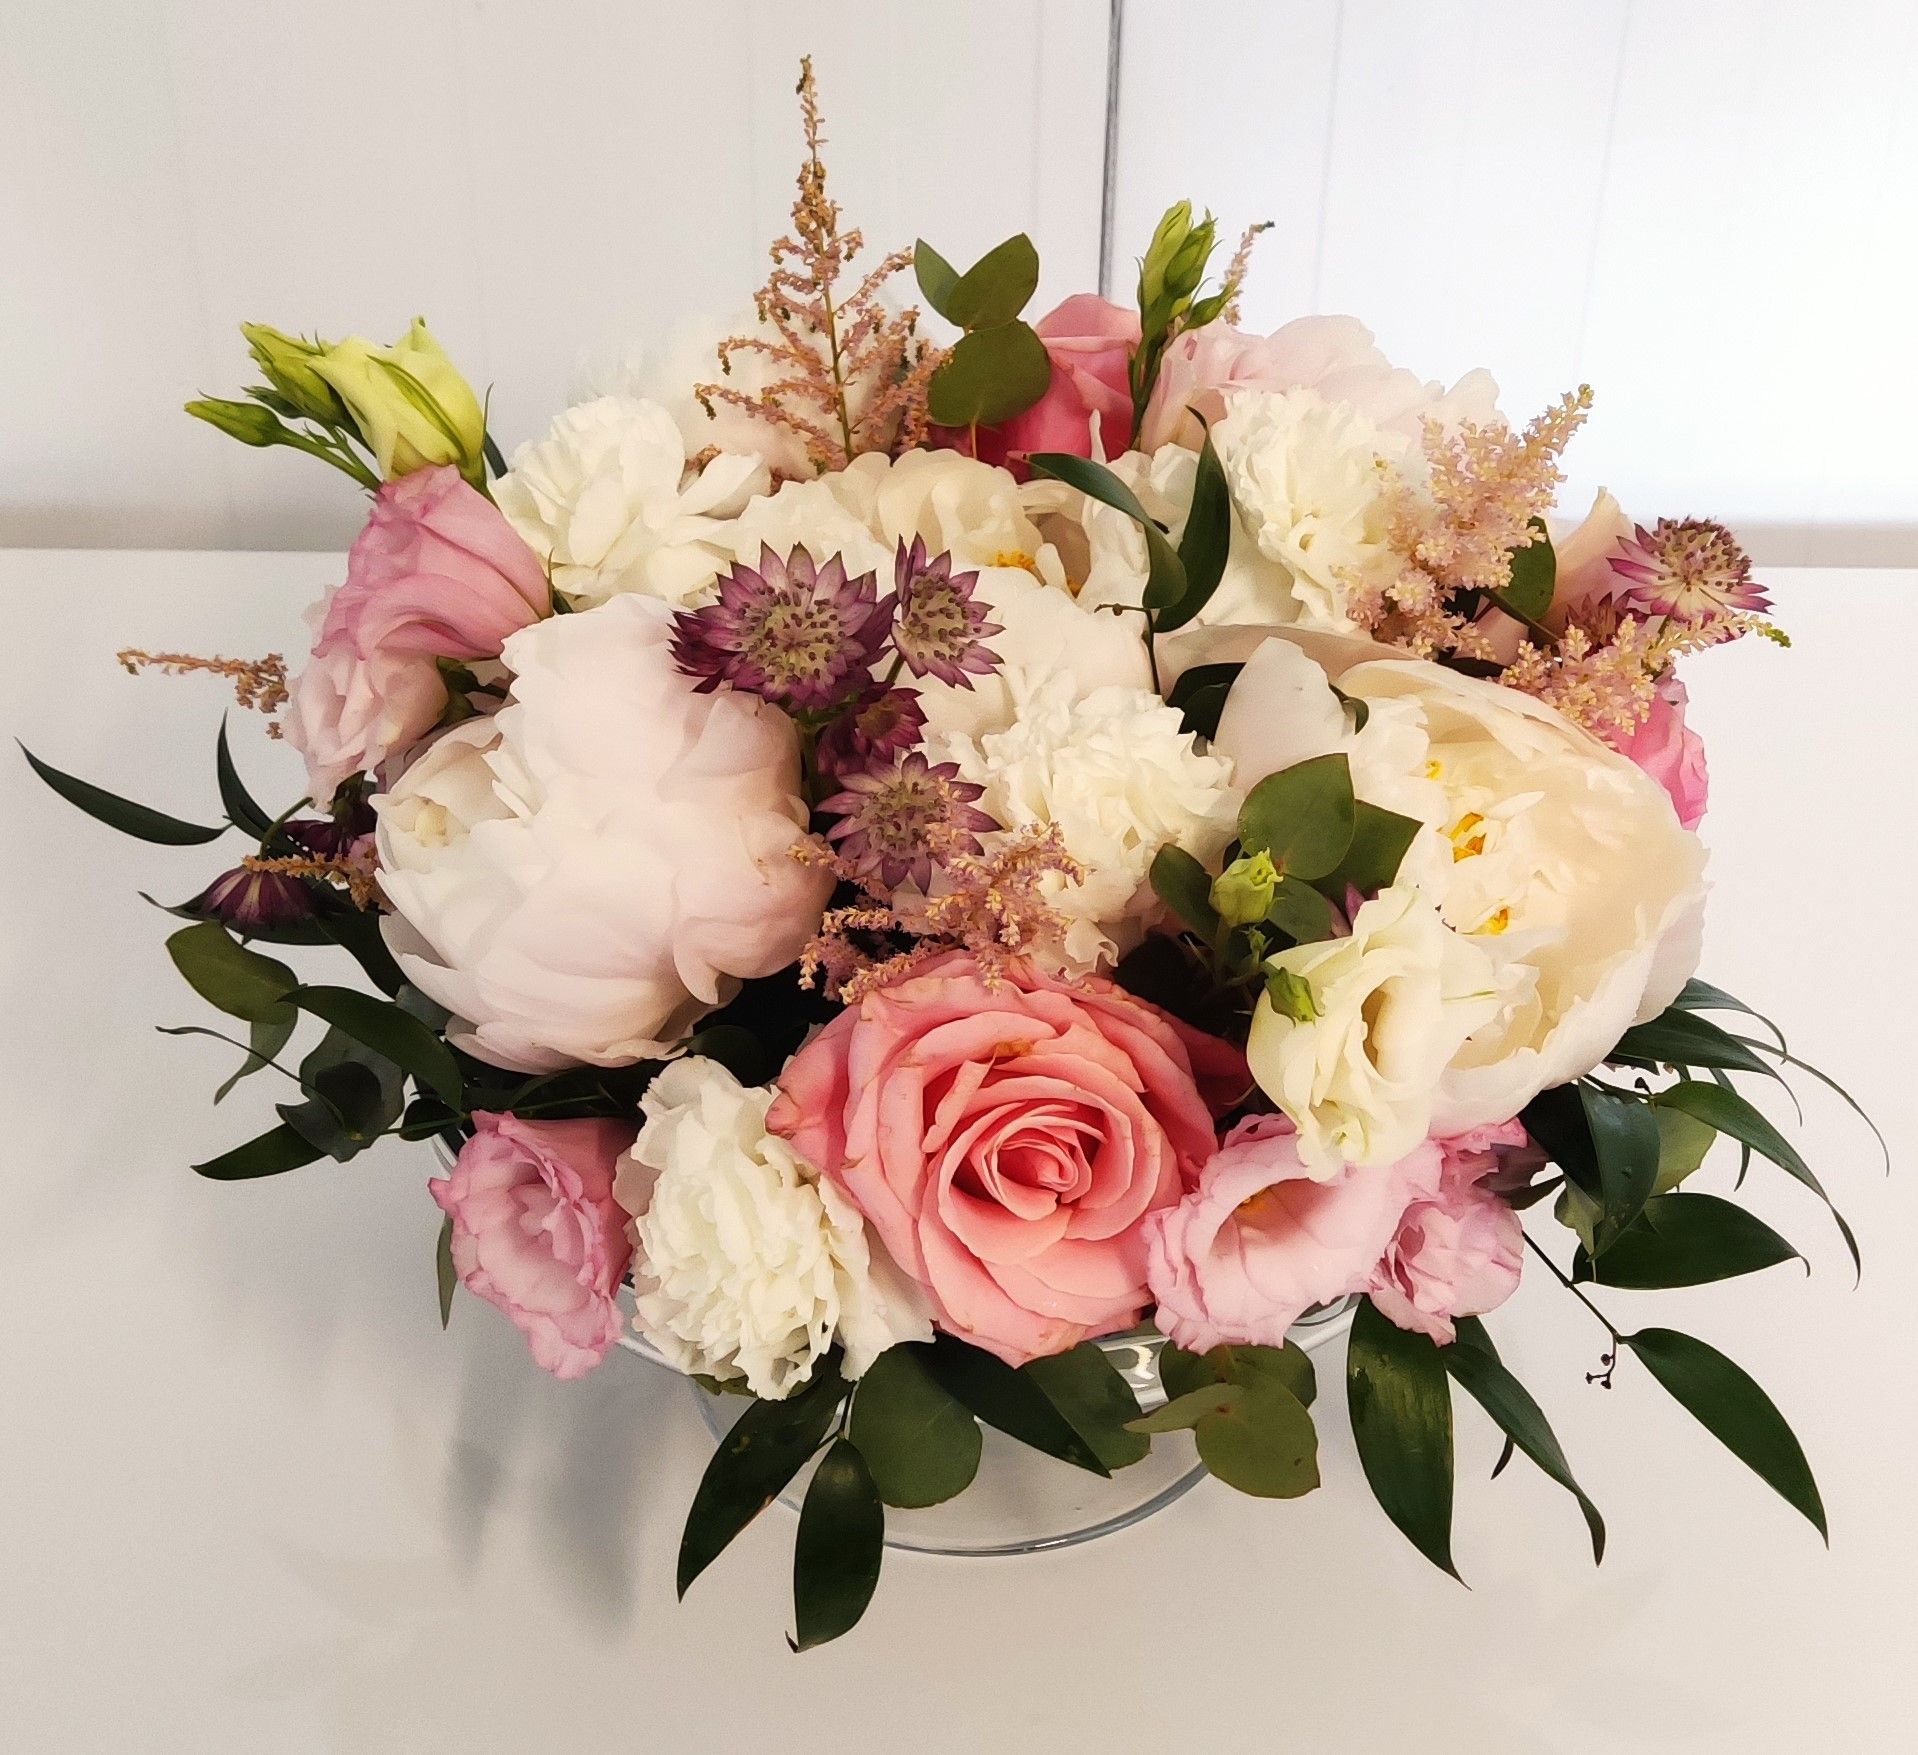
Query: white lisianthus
(581, 876)
(1392, 1003)
(748, 1266)
(1121, 779)
(605, 501)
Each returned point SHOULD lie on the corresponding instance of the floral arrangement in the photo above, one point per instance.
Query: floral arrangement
(912, 857)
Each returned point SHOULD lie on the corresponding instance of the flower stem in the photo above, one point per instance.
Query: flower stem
(1608, 1361)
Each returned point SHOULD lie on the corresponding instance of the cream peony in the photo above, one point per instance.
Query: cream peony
(748, 1265)
(603, 499)
(1557, 857)
(583, 875)
(1121, 779)
(1395, 1001)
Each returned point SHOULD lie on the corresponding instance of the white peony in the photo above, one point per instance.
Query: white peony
(1395, 1001)
(1114, 770)
(605, 501)
(1556, 856)
(748, 1266)
(583, 875)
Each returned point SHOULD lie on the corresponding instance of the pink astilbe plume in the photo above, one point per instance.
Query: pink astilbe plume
(829, 342)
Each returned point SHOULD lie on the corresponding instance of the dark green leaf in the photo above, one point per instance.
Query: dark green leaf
(1682, 1038)
(1380, 839)
(1724, 1109)
(842, 1536)
(444, 1271)
(246, 816)
(271, 1153)
(359, 936)
(1474, 1363)
(1305, 816)
(1401, 1407)
(1528, 595)
(1206, 543)
(240, 982)
(1301, 912)
(937, 277)
(736, 1048)
(386, 1029)
(1085, 1386)
(1182, 1372)
(1686, 1240)
(1624, 1134)
(1165, 582)
(990, 375)
(345, 1114)
(763, 1451)
(1200, 694)
(265, 1038)
(1730, 1406)
(122, 813)
(1004, 1398)
(1185, 886)
(921, 1445)
(994, 290)
(1702, 996)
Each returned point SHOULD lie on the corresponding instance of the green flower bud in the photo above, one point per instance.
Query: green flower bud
(1174, 264)
(1291, 995)
(288, 364)
(1243, 892)
(245, 421)
(411, 406)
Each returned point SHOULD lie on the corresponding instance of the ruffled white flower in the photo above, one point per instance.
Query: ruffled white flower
(748, 1265)
(1394, 1002)
(1115, 771)
(605, 501)
(580, 877)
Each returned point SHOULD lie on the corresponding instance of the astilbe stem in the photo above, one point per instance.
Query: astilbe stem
(258, 683)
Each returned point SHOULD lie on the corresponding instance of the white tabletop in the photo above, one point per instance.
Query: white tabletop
(252, 1499)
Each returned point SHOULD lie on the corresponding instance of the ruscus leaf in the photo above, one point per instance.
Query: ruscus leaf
(120, 813)
(1401, 1407)
(1305, 816)
(842, 1535)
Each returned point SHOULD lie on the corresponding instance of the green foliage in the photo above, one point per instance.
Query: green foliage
(122, 813)
(920, 1443)
(842, 1534)
(225, 974)
(755, 1460)
(1009, 1400)
(1205, 544)
(1685, 1240)
(1300, 912)
(1401, 1408)
(1607, 1145)
(989, 376)
(1184, 886)
(1528, 594)
(993, 290)
(1170, 275)
(1380, 839)
(1199, 696)
(385, 1028)
(1085, 1386)
(1248, 1411)
(1305, 816)
(1683, 1141)
(265, 1038)
(1683, 1039)
(272, 1153)
(1729, 1405)
(444, 1271)
(242, 812)
(1166, 583)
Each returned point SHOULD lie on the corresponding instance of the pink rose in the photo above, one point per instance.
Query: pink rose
(1259, 1242)
(1008, 1144)
(1090, 343)
(347, 714)
(536, 1231)
(1336, 356)
(1457, 1251)
(1671, 752)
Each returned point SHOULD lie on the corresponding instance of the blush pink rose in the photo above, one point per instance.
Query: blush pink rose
(1090, 342)
(1009, 1144)
(1671, 752)
(536, 1231)
(1258, 1242)
(347, 714)
(1458, 1250)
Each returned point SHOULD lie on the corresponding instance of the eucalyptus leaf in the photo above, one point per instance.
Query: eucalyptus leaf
(842, 1534)
(1263, 1442)
(989, 376)
(1301, 912)
(994, 289)
(270, 1154)
(266, 1036)
(120, 813)
(1729, 1405)
(1305, 816)
(919, 1441)
(1686, 1240)
(1401, 1408)
(389, 1031)
(936, 276)
(1380, 841)
(226, 974)
(1182, 1412)
(1085, 1386)
(1185, 886)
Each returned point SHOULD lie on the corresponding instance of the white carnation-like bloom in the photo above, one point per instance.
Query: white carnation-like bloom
(1561, 860)
(581, 876)
(605, 501)
(1121, 778)
(748, 1265)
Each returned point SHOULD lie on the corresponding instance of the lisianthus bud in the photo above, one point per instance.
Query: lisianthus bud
(1243, 892)
(246, 421)
(288, 364)
(1174, 264)
(411, 406)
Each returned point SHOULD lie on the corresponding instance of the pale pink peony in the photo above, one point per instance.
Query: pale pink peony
(1671, 752)
(1259, 1241)
(1009, 1144)
(537, 1233)
(1090, 342)
(1336, 356)
(1457, 1251)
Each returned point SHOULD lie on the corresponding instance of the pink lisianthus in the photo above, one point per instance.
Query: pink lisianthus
(537, 1233)
(1090, 342)
(437, 573)
(1009, 1142)
(1671, 752)
(1258, 1242)
(1457, 1251)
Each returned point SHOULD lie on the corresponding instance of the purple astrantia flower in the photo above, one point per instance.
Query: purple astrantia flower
(1688, 569)
(938, 628)
(335, 837)
(791, 632)
(254, 901)
(882, 725)
(898, 823)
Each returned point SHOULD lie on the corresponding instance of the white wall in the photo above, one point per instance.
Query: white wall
(533, 175)
(1708, 209)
